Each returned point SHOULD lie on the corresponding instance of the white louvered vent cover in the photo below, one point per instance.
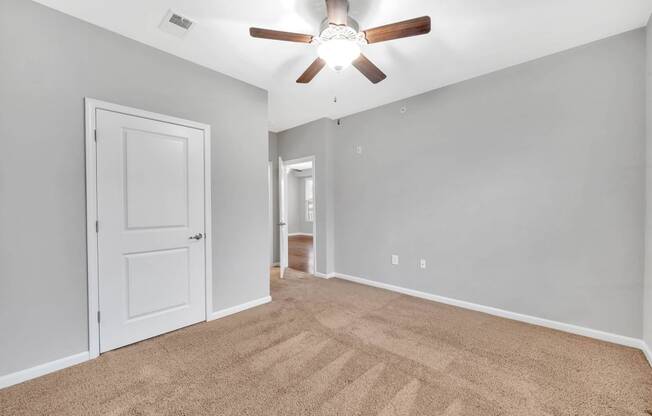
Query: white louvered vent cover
(176, 24)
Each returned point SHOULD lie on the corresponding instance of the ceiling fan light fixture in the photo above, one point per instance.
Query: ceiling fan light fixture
(340, 45)
(341, 41)
(339, 53)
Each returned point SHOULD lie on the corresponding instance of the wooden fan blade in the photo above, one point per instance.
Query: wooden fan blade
(407, 28)
(312, 71)
(338, 11)
(368, 69)
(278, 35)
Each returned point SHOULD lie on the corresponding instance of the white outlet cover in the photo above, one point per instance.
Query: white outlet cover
(394, 259)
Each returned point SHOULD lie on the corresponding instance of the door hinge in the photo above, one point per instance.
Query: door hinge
(95, 133)
(98, 317)
(97, 226)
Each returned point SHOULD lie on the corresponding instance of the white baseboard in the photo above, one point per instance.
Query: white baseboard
(560, 326)
(43, 369)
(647, 351)
(324, 276)
(300, 234)
(276, 264)
(47, 368)
(52, 366)
(239, 308)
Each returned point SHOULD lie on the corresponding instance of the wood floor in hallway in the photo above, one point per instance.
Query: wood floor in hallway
(301, 253)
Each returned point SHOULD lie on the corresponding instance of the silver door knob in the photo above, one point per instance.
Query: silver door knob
(197, 236)
(281, 224)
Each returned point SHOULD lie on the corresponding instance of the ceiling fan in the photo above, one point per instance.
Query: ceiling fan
(340, 41)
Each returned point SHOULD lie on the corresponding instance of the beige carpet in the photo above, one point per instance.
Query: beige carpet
(330, 347)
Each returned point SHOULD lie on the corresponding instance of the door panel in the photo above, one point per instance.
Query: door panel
(157, 282)
(150, 194)
(156, 174)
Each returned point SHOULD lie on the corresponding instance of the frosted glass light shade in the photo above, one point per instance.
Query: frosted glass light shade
(339, 53)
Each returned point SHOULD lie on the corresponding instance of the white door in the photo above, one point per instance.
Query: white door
(282, 216)
(150, 203)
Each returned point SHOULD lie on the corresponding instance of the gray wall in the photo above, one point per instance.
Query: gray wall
(647, 307)
(523, 189)
(47, 67)
(316, 139)
(529, 194)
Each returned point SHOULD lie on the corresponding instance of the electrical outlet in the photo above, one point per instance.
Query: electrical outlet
(422, 263)
(394, 259)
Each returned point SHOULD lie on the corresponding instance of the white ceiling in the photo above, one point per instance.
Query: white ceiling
(468, 38)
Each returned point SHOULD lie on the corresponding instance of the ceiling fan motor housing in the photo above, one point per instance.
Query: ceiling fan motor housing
(350, 22)
(340, 32)
(350, 31)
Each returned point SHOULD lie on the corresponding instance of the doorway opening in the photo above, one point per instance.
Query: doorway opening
(297, 215)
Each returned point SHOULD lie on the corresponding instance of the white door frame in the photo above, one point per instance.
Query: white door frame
(92, 106)
(283, 230)
(288, 164)
(270, 211)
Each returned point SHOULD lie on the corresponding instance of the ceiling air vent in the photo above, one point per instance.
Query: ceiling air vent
(176, 24)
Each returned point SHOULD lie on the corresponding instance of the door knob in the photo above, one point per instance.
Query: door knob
(197, 236)
(281, 224)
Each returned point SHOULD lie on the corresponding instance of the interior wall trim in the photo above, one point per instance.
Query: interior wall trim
(560, 326)
(647, 351)
(56, 365)
(239, 308)
(43, 369)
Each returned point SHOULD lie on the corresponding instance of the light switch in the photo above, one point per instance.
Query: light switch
(422, 263)
(394, 259)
